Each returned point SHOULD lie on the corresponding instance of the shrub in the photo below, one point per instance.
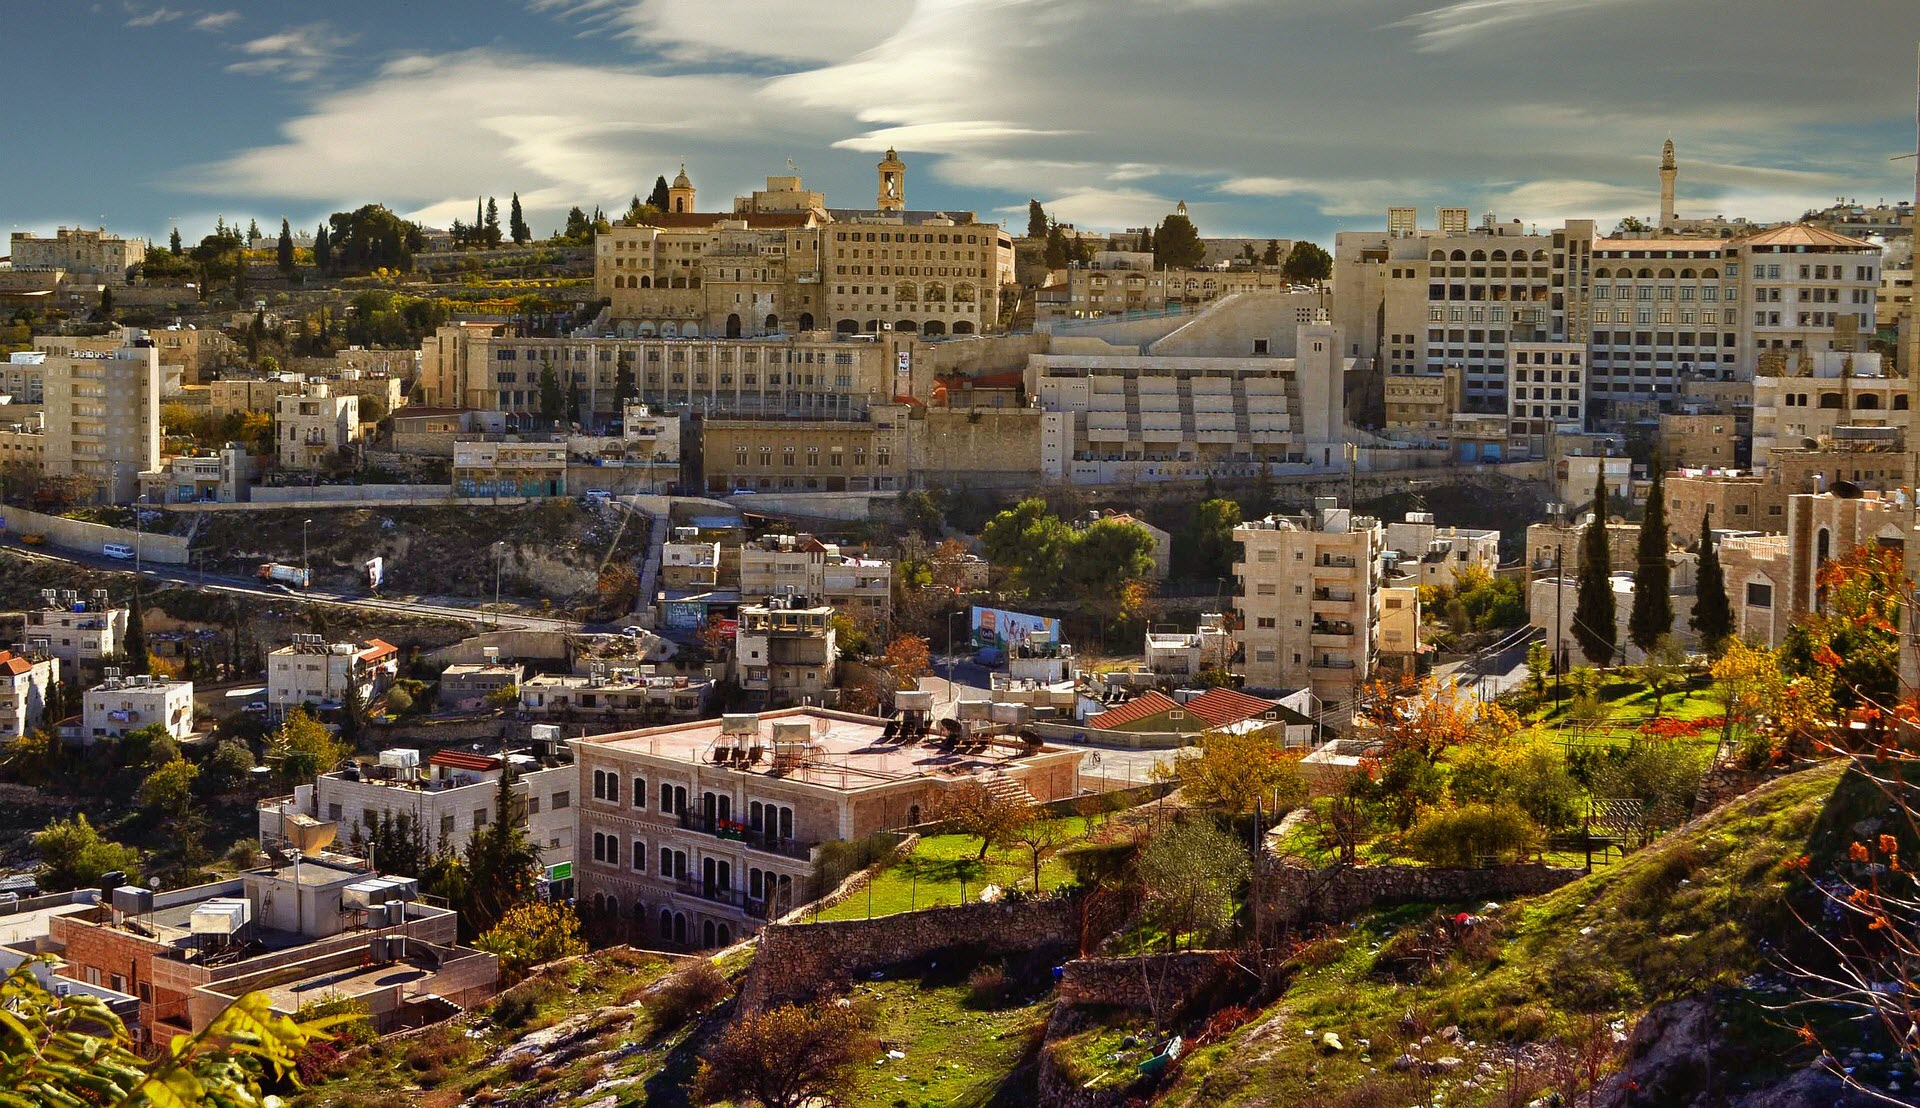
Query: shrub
(987, 986)
(686, 994)
(1465, 835)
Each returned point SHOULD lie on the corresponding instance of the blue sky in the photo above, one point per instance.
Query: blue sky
(1290, 118)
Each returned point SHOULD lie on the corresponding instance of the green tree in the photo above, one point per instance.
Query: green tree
(1307, 264)
(1539, 666)
(1058, 252)
(134, 645)
(553, 398)
(323, 250)
(1233, 771)
(353, 712)
(787, 1056)
(173, 242)
(579, 228)
(73, 854)
(501, 862)
(1652, 615)
(73, 1050)
(169, 789)
(658, 198)
(1190, 873)
(253, 232)
(1036, 220)
(517, 223)
(1176, 243)
(1593, 613)
(490, 226)
(1103, 559)
(1272, 254)
(531, 934)
(1712, 617)
(302, 749)
(284, 253)
(1032, 542)
(372, 237)
(1210, 545)
(1467, 835)
(231, 766)
(624, 388)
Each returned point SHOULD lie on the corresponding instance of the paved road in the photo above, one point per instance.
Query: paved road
(450, 607)
(1492, 674)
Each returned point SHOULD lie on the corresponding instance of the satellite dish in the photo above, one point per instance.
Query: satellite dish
(153, 882)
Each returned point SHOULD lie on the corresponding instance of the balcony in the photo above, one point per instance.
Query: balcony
(694, 886)
(1329, 662)
(753, 838)
(1337, 596)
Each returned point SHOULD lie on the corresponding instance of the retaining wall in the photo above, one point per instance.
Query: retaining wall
(1292, 895)
(286, 495)
(88, 538)
(1161, 983)
(798, 961)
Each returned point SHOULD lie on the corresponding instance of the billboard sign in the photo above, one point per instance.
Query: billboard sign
(1004, 629)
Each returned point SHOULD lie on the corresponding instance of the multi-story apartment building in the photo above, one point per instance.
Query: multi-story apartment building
(197, 351)
(85, 634)
(78, 250)
(1400, 630)
(211, 477)
(1159, 415)
(1757, 569)
(1820, 391)
(1546, 392)
(688, 564)
(783, 565)
(694, 834)
(615, 696)
(448, 796)
(312, 671)
(782, 261)
(483, 366)
(311, 428)
(121, 704)
(1423, 403)
(1437, 555)
(100, 414)
(862, 452)
(785, 653)
(1733, 500)
(509, 466)
(26, 675)
(1709, 439)
(1308, 601)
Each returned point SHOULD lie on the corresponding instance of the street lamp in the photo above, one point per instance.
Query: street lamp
(306, 572)
(951, 616)
(136, 532)
(497, 548)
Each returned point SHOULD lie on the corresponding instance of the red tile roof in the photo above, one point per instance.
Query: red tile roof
(1220, 707)
(460, 759)
(1135, 710)
(12, 665)
(378, 650)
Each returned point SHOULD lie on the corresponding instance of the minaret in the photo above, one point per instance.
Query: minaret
(1668, 173)
(680, 195)
(893, 183)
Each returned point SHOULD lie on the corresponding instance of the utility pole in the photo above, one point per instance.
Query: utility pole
(1559, 617)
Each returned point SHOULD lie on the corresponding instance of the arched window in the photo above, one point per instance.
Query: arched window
(707, 933)
(1459, 256)
(771, 323)
(963, 326)
(1477, 256)
(1830, 400)
(906, 290)
(806, 321)
(646, 282)
(934, 327)
(1866, 400)
(906, 326)
(1437, 256)
(963, 294)
(936, 293)
(847, 326)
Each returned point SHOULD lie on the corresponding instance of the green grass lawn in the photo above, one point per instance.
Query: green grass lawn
(957, 1053)
(941, 865)
(1629, 704)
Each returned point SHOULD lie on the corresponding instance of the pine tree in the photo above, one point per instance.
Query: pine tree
(491, 227)
(658, 197)
(517, 222)
(1712, 617)
(173, 242)
(322, 249)
(1176, 244)
(285, 257)
(1652, 614)
(1272, 255)
(1593, 614)
(135, 647)
(553, 398)
(1036, 220)
(253, 232)
(1058, 253)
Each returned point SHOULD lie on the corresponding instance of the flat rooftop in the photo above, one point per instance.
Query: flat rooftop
(846, 751)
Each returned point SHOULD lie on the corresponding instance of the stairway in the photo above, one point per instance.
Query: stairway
(1007, 790)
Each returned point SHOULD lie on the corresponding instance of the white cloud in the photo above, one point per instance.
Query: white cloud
(295, 54)
(1456, 24)
(153, 18)
(698, 30)
(216, 21)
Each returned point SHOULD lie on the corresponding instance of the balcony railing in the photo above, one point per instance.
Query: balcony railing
(1344, 596)
(694, 886)
(754, 838)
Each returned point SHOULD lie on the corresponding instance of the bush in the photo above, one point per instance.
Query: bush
(987, 986)
(686, 994)
(1465, 835)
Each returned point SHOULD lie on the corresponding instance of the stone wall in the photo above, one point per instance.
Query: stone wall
(88, 538)
(1162, 983)
(972, 447)
(797, 961)
(352, 495)
(1293, 895)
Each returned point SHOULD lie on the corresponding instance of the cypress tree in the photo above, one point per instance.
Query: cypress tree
(1036, 220)
(658, 197)
(285, 252)
(1593, 614)
(173, 242)
(1712, 617)
(517, 222)
(136, 641)
(1652, 614)
(322, 249)
(491, 229)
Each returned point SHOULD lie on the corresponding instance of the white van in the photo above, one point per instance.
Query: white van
(119, 550)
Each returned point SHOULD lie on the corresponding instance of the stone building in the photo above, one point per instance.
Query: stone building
(1424, 402)
(1689, 441)
(693, 835)
(862, 453)
(100, 415)
(78, 250)
(1308, 603)
(313, 428)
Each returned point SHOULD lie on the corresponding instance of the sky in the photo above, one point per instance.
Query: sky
(1273, 118)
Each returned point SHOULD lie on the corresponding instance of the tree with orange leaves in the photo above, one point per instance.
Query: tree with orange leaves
(1403, 777)
(1854, 632)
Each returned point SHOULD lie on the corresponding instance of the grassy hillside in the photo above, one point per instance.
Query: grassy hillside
(1572, 969)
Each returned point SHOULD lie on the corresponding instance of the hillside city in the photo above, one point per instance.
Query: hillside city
(749, 650)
